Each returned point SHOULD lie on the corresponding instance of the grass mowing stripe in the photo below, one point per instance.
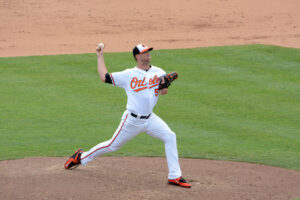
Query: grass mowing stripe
(234, 103)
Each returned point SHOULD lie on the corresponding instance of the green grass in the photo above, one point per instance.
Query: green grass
(238, 103)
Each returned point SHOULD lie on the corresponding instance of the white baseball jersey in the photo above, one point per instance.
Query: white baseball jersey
(141, 88)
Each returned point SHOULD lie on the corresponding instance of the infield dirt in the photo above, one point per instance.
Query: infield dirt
(35, 27)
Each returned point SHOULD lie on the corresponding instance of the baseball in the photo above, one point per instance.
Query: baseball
(100, 45)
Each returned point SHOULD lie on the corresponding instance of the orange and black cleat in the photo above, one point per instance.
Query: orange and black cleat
(179, 182)
(74, 159)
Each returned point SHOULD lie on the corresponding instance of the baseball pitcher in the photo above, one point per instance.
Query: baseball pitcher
(143, 85)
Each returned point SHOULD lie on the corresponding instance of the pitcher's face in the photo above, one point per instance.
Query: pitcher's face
(145, 57)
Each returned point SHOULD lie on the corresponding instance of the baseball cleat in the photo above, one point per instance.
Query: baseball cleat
(179, 182)
(74, 159)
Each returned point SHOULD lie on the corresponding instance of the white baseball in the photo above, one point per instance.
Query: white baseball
(100, 45)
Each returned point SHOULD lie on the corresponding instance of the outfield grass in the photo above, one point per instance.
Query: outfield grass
(238, 103)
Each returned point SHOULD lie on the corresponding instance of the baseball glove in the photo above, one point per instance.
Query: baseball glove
(166, 80)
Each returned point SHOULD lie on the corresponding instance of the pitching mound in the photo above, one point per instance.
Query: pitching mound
(144, 178)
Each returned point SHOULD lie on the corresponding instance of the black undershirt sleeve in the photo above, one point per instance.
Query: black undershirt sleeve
(108, 78)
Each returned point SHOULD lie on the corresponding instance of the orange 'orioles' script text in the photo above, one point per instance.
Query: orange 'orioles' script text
(138, 85)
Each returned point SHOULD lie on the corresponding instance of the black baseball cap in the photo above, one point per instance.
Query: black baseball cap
(140, 48)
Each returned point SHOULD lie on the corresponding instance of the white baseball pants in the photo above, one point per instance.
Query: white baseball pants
(129, 128)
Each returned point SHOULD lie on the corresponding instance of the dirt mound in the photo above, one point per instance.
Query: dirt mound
(144, 178)
(35, 27)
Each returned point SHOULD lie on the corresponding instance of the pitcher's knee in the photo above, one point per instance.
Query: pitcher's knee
(170, 136)
(173, 136)
(113, 148)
